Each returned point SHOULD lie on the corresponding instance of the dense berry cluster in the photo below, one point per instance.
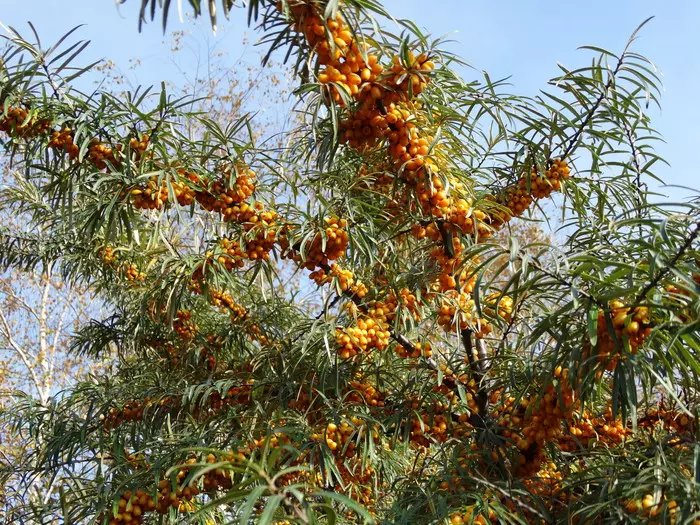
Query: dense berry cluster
(103, 156)
(228, 193)
(364, 393)
(133, 507)
(531, 422)
(150, 196)
(329, 246)
(515, 200)
(369, 333)
(470, 514)
(670, 419)
(625, 328)
(337, 50)
(62, 140)
(220, 478)
(344, 279)
(656, 511)
(19, 122)
(131, 411)
(183, 325)
(586, 430)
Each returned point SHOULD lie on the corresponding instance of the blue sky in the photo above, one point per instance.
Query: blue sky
(522, 40)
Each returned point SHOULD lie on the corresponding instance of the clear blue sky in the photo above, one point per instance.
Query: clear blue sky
(523, 40)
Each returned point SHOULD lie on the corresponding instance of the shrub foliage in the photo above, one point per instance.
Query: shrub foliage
(330, 331)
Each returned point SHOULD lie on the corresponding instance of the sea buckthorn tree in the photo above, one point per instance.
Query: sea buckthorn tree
(343, 329)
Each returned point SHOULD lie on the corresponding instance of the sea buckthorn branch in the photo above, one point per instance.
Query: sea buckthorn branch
(477, 364)
(635, 152)
(177, 490)
(517, 198)
(617, 325)
(201, 407)
(424, 354)
(110, 156)
(357, 299)
(411, 347)
(599, 430)
(376, 94)
(180, 315)
(592, 111)
(17, 122)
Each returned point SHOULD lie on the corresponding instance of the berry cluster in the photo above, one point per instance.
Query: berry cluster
(219, 478)
(134, 411)
(370, 333)
(16, 121)
(130, 509)
(344, 65)
(103, 156)
(671, 419)
(436, 421)
(131, 411)
(499, 305)
(417, 350)
(129, 271)
(221, 299)
(515, 200)
(344, 278)
(357, 479)
(586, 430)
(429, 428)
(456, 311)
(628, 327)
(132, 273)
(138, 146)
(232, 254)
(259, 245)
(228, 194)
(150, 196)
(547, 484)
(655, 511)
(338, 437)
(390, 305)
(531, 423)
(324, 248)
(62, 140)
(364, 393)
(470, 514)
(235, 395)
(385, 111)
(154, 195)
(109, 256)
(184, 326)
(99, 154)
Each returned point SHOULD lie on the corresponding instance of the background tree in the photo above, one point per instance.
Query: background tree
(443, 376)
